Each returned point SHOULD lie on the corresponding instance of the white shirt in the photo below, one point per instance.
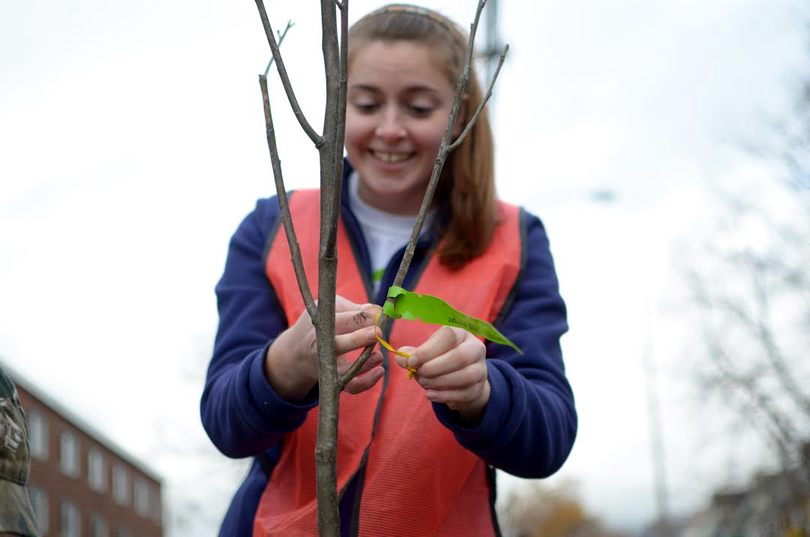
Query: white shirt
(385, 233)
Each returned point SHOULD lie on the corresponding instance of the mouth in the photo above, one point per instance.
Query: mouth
(390, 158)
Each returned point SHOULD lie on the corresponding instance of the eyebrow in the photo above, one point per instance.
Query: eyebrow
(415, 88)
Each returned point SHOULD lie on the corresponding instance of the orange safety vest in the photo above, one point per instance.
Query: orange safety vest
(416, 479)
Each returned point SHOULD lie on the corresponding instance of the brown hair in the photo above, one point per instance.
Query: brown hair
(467, 184)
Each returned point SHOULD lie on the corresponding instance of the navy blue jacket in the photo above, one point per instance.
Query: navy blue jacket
(528, 427)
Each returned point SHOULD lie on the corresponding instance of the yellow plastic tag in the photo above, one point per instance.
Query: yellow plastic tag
(388, 346)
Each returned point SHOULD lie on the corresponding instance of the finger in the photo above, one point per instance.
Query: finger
(441, 341)
(362, 383)
(356, 340)
(349, 321)
(453, 398)
(405, 361)
(344, 304)
(468, 352)
(464, 378)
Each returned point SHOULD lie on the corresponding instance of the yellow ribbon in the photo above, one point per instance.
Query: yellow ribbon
(411, 370)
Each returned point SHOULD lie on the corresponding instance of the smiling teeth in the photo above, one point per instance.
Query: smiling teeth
(391, 157)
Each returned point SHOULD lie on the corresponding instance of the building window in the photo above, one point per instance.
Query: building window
(96, 470)
(38, 435)
(69, 454)
(98, 526)
(155, 509)
(39, 501)
(70, 524)
(121, 492)
(141, 497)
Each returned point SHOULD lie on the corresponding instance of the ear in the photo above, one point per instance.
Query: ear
(461, 119)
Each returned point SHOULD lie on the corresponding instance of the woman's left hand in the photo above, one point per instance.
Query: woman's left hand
(451, 367)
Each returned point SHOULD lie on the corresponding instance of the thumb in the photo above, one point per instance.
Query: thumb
(409, 361)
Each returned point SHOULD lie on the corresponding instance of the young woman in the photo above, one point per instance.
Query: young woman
(415, 456)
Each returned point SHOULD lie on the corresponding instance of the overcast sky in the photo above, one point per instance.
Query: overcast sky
(132, 144)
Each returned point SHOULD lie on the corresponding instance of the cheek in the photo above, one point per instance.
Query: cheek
(430, 136)
(358, 130)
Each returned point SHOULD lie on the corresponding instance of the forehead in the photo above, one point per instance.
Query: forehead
(397, 63)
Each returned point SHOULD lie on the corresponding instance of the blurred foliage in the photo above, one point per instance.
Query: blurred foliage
(539, 510)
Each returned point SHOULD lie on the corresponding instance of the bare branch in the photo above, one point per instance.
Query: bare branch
(285, 79)
(341, 5)
(331, 174)
(771, 435)
(337, 78)
(444, 151)
(473, 31)
(763, 326)
(746, 386)
(760, 327)
(281, 37)
(468, 127)
(784, 433)
(342, 83)
(284, 206)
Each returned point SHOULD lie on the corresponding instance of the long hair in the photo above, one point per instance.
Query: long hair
(467, 184)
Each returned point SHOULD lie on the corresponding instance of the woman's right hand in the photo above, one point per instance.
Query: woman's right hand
(291, 362)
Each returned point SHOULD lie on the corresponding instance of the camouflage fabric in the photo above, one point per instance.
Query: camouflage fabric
(16, 513)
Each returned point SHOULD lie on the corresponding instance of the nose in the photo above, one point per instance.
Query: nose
(390, 127)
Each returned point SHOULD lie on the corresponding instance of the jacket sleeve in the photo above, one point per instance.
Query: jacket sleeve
(241, 413)
(529, 424)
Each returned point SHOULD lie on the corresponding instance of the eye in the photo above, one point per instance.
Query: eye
(365, 107)
(419, 110)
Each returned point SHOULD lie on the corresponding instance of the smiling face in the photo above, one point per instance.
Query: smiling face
(399, 99)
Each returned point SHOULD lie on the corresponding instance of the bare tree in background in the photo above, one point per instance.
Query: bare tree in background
(330, 149)
(753, 296)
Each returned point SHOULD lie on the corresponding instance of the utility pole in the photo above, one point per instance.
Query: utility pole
(663, 528)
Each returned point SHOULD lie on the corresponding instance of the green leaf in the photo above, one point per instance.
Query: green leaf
(430, 309)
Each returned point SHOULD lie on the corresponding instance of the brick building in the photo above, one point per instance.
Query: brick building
(81, 483)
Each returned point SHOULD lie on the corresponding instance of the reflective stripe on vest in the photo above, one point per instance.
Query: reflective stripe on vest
(417, 479)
